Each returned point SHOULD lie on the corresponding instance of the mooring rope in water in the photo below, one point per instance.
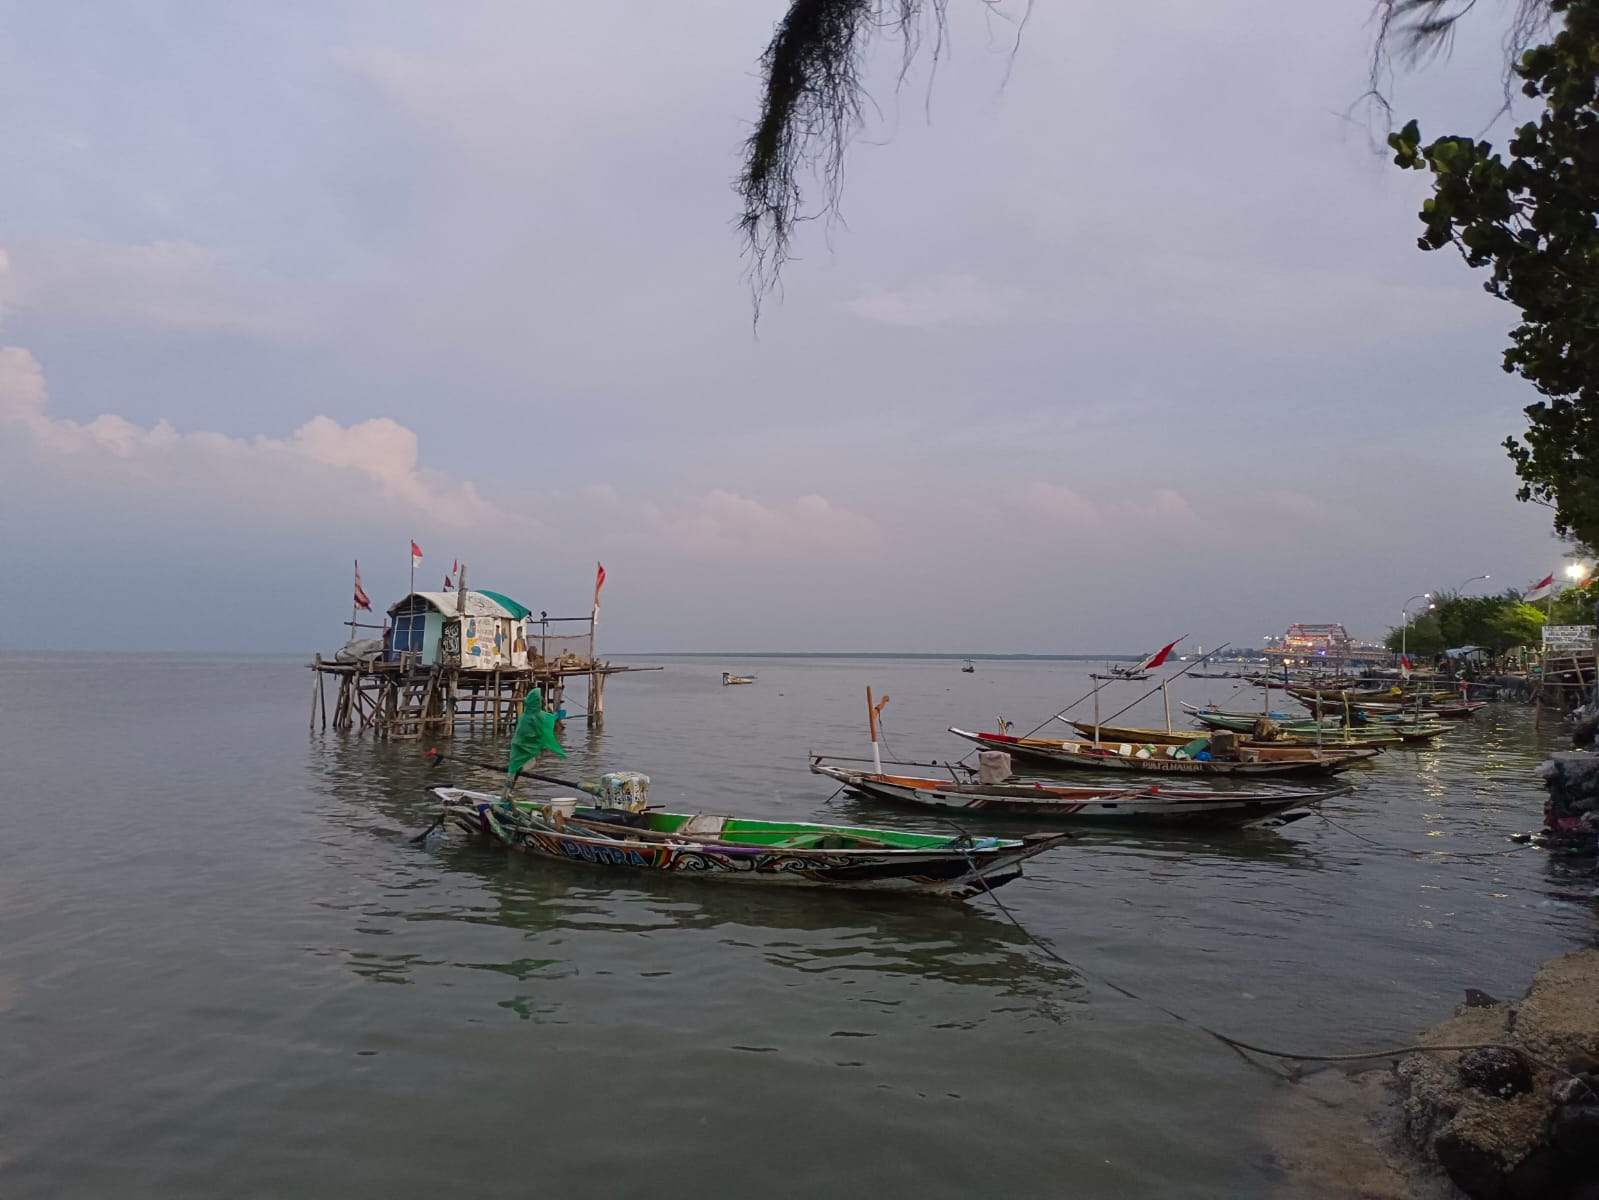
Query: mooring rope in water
(1418, 853)
(1238, 1045)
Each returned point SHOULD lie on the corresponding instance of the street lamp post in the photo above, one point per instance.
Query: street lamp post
(1404, 625)
(1469, 582)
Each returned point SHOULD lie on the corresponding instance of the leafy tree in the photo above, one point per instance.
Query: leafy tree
(1573, 606)
(1422, 640)
(1495, 623)
(1532, 222)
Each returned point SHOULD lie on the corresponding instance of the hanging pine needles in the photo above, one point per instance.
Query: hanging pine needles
(812, 105)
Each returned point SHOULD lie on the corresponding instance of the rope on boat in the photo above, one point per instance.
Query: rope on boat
(1237, 1045)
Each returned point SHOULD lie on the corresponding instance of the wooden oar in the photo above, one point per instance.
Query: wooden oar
(471, 762)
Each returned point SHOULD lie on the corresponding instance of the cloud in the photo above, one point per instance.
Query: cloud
(1162, 511)
(378, 452)
(173, 284)
(722, 524)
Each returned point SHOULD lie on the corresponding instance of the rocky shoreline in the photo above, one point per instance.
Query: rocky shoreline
(1516, 1121)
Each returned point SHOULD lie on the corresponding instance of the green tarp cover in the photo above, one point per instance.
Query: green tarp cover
(517, 611)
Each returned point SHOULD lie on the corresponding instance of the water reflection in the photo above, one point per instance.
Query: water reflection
(560, 911)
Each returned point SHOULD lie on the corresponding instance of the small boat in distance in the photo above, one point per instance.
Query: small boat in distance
(1142, 668)
(729, 679)
(968, 667)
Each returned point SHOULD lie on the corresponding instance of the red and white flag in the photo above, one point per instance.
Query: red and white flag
(449, 580)
(1404, 666)
(1160, 656)
(416, 555)
(599, 582)
(361, 600)
(1544, 587)
(448, 585)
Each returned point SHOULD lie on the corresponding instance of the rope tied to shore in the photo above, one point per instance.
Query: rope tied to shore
(1238, 1045)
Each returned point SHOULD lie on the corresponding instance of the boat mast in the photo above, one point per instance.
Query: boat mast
(1165, 700)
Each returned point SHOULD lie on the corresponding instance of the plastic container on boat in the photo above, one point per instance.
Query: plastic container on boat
(562, 807)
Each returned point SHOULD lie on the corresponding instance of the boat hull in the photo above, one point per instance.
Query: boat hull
(1252, 760)
(1078, 806)
(946, 868)
(1337, 737)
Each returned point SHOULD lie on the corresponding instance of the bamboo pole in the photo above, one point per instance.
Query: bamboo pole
(872, 711)
(1165, 700)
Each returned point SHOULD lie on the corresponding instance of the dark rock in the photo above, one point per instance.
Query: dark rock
(1475, 1171)
(1569, 1091)
(1574, 1131)
(1476, 998)
(1583, 730)
(1496, 1071)
(1539, 1176)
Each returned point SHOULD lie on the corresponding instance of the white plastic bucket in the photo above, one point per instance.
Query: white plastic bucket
(562, 807)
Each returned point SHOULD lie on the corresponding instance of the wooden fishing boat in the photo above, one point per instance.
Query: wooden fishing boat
(1456, 709)
(968, 667)
(1190, 807)
(1249, 734)
(1393, 694)
(1175, 760)
(1330, 719)
(729, 679)
(714, 847)
(1305, 731)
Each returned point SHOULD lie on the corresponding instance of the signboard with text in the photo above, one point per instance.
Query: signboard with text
(1568, 637)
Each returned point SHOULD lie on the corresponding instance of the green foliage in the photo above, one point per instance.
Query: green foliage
(1532, 222)
(1422, 640)
(1574, 606)
(1496, 623)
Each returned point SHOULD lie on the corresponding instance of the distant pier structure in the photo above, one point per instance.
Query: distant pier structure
(457, 659)
(1326, 644)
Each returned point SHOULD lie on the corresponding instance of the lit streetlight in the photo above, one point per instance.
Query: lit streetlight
(1471, 581)
(1577, 572)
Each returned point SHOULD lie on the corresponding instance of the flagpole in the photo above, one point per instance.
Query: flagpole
(354, 607)
(412, 592)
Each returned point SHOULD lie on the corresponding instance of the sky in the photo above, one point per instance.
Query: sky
(1119, 336)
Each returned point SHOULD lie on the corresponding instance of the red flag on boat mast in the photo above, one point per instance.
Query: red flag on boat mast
(1160, 656)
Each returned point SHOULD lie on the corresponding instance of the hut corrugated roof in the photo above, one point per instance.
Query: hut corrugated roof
(478, 604)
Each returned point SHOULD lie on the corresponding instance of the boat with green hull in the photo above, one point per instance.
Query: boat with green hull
(714, 847)
(1276, 727)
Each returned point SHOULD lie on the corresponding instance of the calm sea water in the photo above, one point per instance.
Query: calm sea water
(224, 970)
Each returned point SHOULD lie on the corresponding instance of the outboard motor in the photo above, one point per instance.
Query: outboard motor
(625, 790)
